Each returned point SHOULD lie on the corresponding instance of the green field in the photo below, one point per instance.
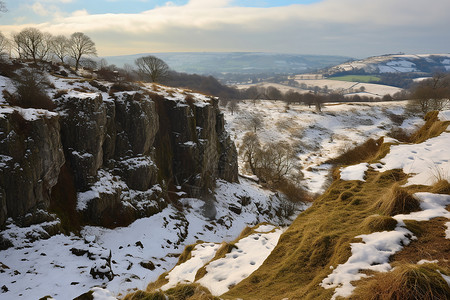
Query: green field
(356, 78)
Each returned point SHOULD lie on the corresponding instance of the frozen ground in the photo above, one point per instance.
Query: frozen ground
(138, 254)
(346, 87)
(420, 161)
(374, 252)
(31, 270)
(317, 137)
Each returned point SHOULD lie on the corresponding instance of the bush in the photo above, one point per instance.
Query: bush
(30, 90)
(98, 85)
(59, 93)
(121, 87)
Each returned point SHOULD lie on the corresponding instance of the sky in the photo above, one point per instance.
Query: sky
(356, 28)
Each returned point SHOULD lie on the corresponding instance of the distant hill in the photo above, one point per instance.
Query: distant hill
(397, 63)
(209, 63)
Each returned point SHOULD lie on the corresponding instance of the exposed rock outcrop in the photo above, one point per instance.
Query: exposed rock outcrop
(128, 152)
(30, 159)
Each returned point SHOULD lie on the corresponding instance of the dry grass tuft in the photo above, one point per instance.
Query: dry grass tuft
(432, 128)
(378, 223)
(441, 187)
(405, 281)
(359, 153)
(189, 291)
(397, 201)
(141, 295)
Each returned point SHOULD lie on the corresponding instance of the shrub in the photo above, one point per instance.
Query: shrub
(59, 93)
(121, 87)
(99, 86)
(400, 135)
(30, 90)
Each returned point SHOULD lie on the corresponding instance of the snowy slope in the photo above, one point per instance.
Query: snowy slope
(317, 137)
(399, 63)
(49, 267)
(60, 266)
(419, 161)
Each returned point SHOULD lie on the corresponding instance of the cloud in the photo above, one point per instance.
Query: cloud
(39, 9)
(346, 27)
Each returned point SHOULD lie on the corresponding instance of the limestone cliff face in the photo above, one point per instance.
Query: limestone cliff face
(127, 153)
(30, 159)
(202, 150)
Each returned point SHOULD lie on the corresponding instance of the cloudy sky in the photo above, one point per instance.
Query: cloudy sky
(357, 28)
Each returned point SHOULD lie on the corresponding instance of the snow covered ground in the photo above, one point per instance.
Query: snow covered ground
(60, 266)
(346, 87)
(247, 255)
(138, 254)
(374, 252)
(317, 137)
(420, 161)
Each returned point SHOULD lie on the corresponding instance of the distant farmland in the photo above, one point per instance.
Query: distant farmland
(356, 78)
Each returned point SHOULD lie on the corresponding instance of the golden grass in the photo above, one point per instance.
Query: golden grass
(179, 292)
(358, 154)
(397, 201)
(406, 281)
(376, 223)
(318, 239)
(432, 128)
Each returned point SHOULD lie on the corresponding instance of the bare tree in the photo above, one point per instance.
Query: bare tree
(152, 68)
(233, 106)
(432, 94)
(255, 121)
(4, 44)
(274, 161)
(31, 43)
(79, 45)
(60, 47)
(249, 150)
(46, 46)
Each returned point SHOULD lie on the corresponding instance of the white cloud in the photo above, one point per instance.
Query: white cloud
(39, 9)
(330, 26)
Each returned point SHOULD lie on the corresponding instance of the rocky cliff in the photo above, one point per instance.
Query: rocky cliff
(112, 158)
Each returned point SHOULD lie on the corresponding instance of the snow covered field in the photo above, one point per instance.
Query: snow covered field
(346, 87)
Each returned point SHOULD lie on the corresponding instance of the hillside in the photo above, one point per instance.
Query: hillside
(388, 211)
(425, 64)
(104, 183)
(115, 185)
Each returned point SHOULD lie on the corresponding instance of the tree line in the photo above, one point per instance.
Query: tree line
(37, 46)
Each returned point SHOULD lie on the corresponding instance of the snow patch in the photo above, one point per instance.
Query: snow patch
(444, 115)
(185, 272)
(355, 172)
(248, 256)
(426, 162)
